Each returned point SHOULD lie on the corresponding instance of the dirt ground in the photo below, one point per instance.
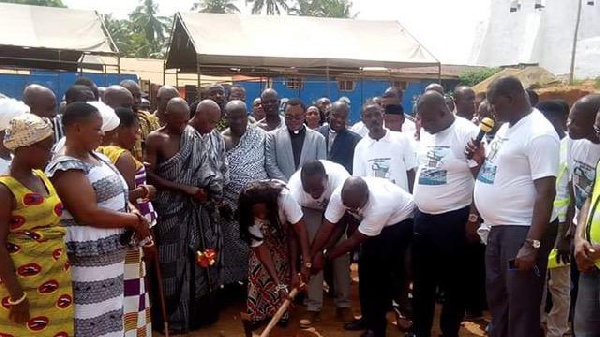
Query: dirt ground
(229, 324)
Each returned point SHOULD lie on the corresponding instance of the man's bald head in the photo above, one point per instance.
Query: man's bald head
(433, 112)
(237, 93)
(164, 95)
(435, 87)
(508, 99)
(237, 115)
(177, 110)
(207, 116)
(270, 102)
(235, 107)
(355, 192)
(340, 107)
(135, 90)
(117, 96)
(41, 100)
(391, 96)
(582, 118)
(465, 101)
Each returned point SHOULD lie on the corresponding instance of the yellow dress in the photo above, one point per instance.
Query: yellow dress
(36, 245)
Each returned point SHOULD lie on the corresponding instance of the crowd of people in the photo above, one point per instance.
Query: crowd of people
(116, 221)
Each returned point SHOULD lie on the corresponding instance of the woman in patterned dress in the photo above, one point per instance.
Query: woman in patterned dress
(137, 298)
(96, 215)
(245, 150)
(271, 222)
(35, 286)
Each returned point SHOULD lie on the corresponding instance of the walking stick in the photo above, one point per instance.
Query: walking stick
(163, 303)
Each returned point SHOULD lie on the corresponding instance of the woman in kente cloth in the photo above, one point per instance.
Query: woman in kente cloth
(35, 286)
(271, 221)
(116, 147)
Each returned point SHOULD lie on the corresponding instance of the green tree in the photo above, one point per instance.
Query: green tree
(45, 3)
(474, 77)
(323, 8)
(215, 6)
(272, 6)
(144, 19)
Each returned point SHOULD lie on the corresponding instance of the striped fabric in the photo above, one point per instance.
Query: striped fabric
(96, 255)
(59, 132)
(184, 226)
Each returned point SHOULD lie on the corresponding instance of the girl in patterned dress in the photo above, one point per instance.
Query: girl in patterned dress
(137, 298)
(35, 286)
(96, 214)
(271, 222)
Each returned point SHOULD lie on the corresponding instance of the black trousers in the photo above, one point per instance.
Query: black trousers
(439, 250)
(475, 298)
(381, 261)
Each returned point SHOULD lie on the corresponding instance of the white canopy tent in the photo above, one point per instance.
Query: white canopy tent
(50, 38)
(256, 45)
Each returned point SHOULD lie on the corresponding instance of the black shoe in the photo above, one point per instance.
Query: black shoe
(356, 325)
(368, 333)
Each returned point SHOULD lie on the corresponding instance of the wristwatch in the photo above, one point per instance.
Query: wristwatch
(308, 265)
(535, 244)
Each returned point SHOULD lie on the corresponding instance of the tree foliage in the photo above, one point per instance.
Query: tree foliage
(216, 7)
(473, 77)
(323, 8)
(271, 7)
(143, 35)
(45, 3)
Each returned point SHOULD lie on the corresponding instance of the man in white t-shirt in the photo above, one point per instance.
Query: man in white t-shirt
(582, 152)
(312, 187)
(383, 153)
(385, 212)
(443, 195)
(514, 193)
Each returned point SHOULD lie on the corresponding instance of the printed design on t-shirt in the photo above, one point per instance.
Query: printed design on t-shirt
(487, 173)
(432, 173)
(322, 203)
(583, 180)
(380, 167)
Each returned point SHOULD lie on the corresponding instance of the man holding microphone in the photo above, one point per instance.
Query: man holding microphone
(514, 193)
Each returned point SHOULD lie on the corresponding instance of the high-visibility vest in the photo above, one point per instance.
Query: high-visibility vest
(592, 229)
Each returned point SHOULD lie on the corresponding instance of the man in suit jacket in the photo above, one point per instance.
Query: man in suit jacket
(290, 147)
(340, 141)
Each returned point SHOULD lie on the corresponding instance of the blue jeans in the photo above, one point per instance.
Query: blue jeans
(587, 307)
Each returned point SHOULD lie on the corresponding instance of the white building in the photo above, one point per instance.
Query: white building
(540, 32)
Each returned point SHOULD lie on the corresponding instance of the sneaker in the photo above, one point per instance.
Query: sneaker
(309, 318)
(344, 315)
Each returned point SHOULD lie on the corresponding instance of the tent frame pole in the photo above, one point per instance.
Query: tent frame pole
(164, 72)
(199, 79)
(439, 73)
(328, 84)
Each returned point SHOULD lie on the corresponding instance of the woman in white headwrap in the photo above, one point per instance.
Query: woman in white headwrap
(33, 261)
(9, 108)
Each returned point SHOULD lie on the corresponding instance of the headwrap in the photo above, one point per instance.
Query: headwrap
(110, 120)
(9, 109)
(26, 130)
